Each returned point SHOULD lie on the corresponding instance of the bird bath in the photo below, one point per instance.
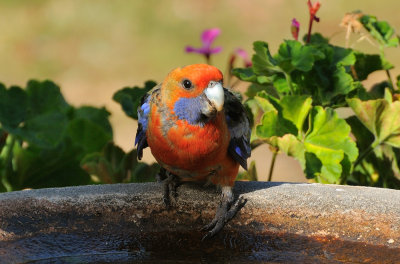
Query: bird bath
(127, 223)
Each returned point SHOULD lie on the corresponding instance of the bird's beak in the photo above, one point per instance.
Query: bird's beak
(215, 93)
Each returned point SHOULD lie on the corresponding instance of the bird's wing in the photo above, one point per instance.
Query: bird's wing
(239, 128)
(143, 119)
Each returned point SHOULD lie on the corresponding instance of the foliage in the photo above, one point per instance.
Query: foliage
(44, 137)
(113, 165)
(44, 140)
(129, 98)
(292, 99)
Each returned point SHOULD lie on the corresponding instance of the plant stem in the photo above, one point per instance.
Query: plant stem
(390, 81)
(364, 154)
(271, 169)
(234, 83)
(208, 59)
(289, 82)
(309, 29)
(7, 159)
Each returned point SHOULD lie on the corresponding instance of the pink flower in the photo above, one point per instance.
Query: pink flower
(295, 28)
(313, 9)
(207, 38)
(243, 54)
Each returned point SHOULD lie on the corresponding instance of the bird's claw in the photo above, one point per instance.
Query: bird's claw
(225, 212)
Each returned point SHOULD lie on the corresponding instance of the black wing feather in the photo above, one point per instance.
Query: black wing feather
(239, 128)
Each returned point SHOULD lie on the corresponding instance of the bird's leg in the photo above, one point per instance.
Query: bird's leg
(170, 183)
(161, 175)
(226, 210)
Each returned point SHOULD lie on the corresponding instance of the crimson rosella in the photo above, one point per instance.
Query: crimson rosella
(197, 131)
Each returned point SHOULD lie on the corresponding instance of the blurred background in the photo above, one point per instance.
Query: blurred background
(94, 48)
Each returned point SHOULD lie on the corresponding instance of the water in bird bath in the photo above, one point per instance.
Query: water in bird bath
(178, 247)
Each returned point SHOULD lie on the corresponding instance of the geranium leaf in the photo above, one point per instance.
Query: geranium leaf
(13, 107)
(129, 98)
(380, 30)
(381, 117)
(263, 62)
(366, 64)
(325, 150)
(292, 55)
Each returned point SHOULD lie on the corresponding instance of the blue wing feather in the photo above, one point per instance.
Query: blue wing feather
(239, 128)
(143, 119)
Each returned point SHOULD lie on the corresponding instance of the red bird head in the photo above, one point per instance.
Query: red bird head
(194, 93)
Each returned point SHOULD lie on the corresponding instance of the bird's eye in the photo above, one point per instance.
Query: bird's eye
(187, 84)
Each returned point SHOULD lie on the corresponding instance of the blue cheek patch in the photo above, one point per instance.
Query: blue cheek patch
(189, 109)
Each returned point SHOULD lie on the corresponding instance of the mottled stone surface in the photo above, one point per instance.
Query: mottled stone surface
(307, 222)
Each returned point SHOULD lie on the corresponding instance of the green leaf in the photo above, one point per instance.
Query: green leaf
(313, 166)
(379, 167)
(364, 137)
(44, 97)
(325, 150)
(263, 62)
(292, 55)
(144, 172)
(273, 124)
(281, 85)
(113, 165)
(380, 30)
(50, 136)
(296, 109)
(45, 117)
(13, 107)
(109, 166)
(245, 74)
(366, 64)
(88, 135)
(263, 100)
(98, 116)
(316, 38)
(255, 88)
(42, 168)
(342, 57)
(129, 98)
(285, 116)
(45, 130)
(291, 146)
(330, 80)
(328, 138)
(381, 118)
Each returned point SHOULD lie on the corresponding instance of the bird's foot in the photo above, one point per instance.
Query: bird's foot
(226, 210)
(170, 183)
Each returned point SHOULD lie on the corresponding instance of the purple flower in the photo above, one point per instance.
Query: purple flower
(295, 28)
(207, 38)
